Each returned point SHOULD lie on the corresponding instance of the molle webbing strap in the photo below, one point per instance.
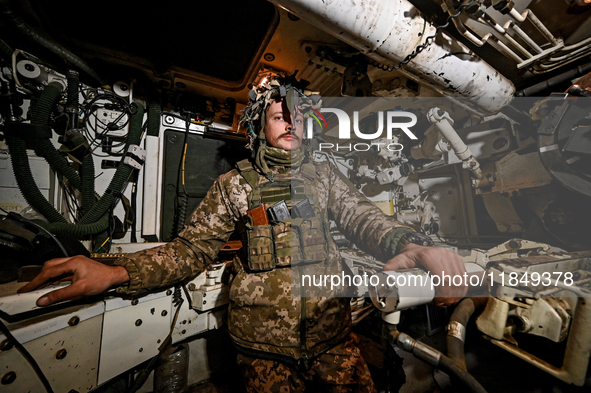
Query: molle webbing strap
(247, 171)
(308, 170)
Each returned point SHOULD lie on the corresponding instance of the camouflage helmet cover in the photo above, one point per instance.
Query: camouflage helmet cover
(289, 89)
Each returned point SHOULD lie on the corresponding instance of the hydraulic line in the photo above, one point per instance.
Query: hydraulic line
(40, 116)
(154, 113)
(26, 182)
(73, 99)
(457, 327)
(123, 172)
(95, 220)
(87, 178)
(439, 360)
(73, 80)
(48, 43)
(20, 161)
(5, 51)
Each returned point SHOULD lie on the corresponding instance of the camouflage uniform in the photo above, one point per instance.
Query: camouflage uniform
(264, 318)
(340, 369)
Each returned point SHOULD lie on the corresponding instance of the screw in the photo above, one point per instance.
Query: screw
(164, 313)
(169, 292)
(74, 321)
(134, 302)
(183, 332)
(192, 287)
(5, 345)
(204, 302)
(141, 349)
(8, 378)
(138, 322)
(61, 354)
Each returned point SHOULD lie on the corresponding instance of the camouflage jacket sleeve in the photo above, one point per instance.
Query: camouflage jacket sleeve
(196, 246)
(361, 221)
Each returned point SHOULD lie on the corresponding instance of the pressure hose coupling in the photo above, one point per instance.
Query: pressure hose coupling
(420, 350)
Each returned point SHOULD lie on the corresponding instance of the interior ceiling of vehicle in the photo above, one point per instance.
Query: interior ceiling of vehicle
(219, 48)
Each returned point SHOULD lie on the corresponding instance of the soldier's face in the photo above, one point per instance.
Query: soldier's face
(280, 129)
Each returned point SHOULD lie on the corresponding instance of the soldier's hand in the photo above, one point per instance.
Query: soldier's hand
(88, 277)
(437, 261)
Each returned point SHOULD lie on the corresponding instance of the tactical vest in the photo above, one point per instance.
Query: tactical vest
(287, 242)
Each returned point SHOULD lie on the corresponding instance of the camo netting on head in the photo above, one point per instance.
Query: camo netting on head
(277, 87)
(296, 98)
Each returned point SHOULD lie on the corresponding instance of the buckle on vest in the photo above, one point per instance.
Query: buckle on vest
(303, 363)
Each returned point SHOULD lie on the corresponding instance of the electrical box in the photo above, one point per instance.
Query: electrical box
(106, 118)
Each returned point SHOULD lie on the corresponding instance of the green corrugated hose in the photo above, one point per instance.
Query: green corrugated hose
(96, 215)
(95, 220)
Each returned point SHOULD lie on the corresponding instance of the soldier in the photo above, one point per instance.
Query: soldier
(285, 342)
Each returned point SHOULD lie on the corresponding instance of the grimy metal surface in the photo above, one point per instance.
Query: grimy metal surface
(387, 31)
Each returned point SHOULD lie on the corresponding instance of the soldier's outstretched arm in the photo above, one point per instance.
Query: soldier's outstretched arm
(379, 235)
(88, 277)
(198, 244)
(359, 219)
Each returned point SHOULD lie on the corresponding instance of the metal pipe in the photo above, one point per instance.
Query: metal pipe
(518, 46)
(525, 37)
(387, 31)
(576, 45)
(439, 360)
(509, 52)
(528, 14)
(475, 40)
(540, 26)
(552, 67)
(569, 55)
(516, 15)
(493, 23)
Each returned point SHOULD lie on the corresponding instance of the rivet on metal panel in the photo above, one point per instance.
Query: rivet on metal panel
(9, 377)
(169, 292)
(134, 302)
(61, 354)
(192, 287)
(138, 322)
(164, 313)
(5, 345)
(141, 349)
(74, 321)
(184, 331)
